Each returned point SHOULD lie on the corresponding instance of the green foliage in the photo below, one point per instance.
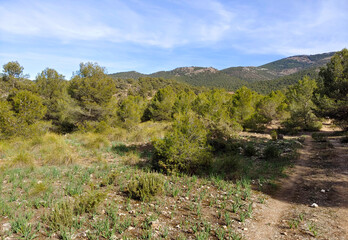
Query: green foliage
(130, 111)
(8, 121)
(93, 89)
(184, 148)
(183, 102)
(271, 152)
(272, 106)
(243, 104)
(53, 150)
(212, 104)
(262, 79)
(28, 107)
(22, 159)
(61, 108)
(301, 106)
(62, 215)
(333, 89)
(88, 202)
(249, 149)
(161, 106)
(145, 186)
(319, 137)
(13, 72)
(274, 134)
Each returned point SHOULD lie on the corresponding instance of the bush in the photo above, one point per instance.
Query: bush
(62, 215)
(109, 179)
(230, 165)
(89, 202)
(274, 135)
(319, 137)
(96, 141)
(145, 187)
(23, 159)
(185, 148)
(249, 150)
(271, 152)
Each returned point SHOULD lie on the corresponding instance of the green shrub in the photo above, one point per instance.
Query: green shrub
(62, 215)
(38, 189)
(274, 135)
(109, 179)
(23, 159)
(89, 202)
(185, 148)
(145, 187)
(249, 150)
(271, 152)
(230, 166)
(319, 137)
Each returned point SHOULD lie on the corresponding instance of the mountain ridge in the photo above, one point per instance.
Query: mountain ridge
(234, 77)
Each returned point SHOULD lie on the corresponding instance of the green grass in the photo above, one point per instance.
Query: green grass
(59, 197)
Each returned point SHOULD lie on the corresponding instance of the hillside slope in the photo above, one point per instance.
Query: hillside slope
(271, 76)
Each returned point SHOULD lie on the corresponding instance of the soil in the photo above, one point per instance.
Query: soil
(320, 176)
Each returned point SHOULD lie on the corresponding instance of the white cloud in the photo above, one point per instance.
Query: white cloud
(114, 21)
(273, 27)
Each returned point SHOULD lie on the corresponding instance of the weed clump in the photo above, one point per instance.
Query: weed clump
(96, 141)
(145, 187)
(271, 152)
(274, 135)
(23, 159)
(54, 150)
(249, 150)
(319, 137)
(38, 189)
(62, 215)
(109, 179)
(89, 202)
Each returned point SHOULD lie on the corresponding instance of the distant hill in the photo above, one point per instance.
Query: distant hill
(271, 76)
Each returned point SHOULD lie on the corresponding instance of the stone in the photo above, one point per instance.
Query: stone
(322, 190)
(6, 227)
(314, 205)
(155, 224)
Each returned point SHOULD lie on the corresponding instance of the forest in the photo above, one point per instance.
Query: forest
(63, 139)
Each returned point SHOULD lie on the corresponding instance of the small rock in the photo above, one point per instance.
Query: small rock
(322, 190)
(178, 226)
(314, 205)
(284, 233)
(245, 229)
(155, 224)
(130, 228)
(6, 227)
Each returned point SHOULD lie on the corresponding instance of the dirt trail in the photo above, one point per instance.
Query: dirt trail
(319, 176)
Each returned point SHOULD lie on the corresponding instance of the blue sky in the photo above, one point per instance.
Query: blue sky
(153, 35)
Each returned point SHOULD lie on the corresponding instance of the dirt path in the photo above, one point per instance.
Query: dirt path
(320, 176)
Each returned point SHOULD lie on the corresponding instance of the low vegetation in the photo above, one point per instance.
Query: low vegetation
(98, 158)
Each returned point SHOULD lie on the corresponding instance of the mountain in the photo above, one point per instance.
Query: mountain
(271, 76)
